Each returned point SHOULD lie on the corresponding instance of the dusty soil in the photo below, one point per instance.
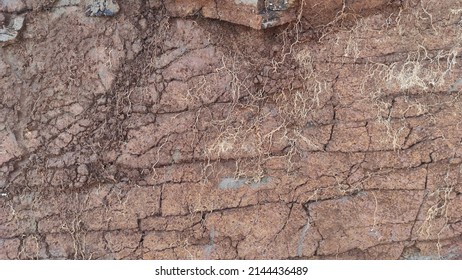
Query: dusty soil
(155, 135)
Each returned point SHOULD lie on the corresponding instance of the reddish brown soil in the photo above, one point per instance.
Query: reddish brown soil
(153, 136)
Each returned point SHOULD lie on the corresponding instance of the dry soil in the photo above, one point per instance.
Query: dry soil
(155, 133)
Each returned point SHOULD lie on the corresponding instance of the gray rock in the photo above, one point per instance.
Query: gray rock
(11, 31)
(12, 6)
(102, 8)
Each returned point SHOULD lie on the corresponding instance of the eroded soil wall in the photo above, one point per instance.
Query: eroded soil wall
(148, 135)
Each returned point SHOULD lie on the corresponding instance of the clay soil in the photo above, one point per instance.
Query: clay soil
(154, 135)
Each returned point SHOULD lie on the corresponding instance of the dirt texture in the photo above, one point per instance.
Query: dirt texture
(131, 131)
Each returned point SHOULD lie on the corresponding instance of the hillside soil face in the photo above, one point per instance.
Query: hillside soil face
(140, 130)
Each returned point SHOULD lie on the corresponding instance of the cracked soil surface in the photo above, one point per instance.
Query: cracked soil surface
(157, 134)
